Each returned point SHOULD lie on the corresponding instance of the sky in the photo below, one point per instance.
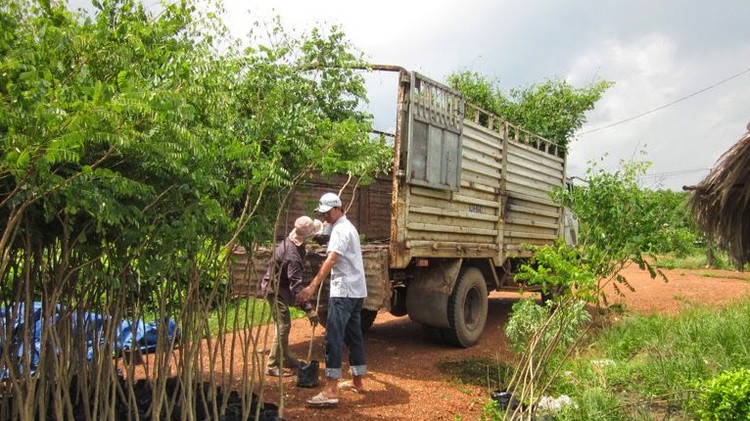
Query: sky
(681, 68)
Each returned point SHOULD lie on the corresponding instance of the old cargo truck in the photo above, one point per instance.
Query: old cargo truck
(467, 192)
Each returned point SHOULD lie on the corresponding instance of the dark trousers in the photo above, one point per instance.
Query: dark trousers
(344, 326)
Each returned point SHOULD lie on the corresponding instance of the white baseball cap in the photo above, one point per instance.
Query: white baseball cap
(327, 202)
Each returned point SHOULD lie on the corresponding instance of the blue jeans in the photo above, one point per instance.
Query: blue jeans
(344, 326)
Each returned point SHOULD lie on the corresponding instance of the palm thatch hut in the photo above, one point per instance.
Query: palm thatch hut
(721, 202)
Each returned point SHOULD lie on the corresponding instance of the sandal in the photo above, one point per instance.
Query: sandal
(322, 400)
(349, 385)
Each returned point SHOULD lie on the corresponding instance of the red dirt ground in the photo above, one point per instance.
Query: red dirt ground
(405, 383)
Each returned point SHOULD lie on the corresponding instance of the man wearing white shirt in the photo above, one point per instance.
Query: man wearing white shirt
(348, 290)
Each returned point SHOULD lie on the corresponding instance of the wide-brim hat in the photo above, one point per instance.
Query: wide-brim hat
(304, 228)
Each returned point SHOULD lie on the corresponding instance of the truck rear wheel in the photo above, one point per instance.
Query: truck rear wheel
(467, 308)
(434, 334)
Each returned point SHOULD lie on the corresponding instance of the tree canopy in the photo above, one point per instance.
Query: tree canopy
(553, 109)
(136, 140)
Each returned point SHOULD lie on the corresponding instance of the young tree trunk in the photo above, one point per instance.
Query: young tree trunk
(710, 257)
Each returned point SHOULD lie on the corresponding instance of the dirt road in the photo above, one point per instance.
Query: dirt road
(405, 383)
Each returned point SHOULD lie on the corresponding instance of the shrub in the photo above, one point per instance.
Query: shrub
(725, 397)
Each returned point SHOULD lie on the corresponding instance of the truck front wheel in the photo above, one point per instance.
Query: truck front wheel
(368, 318)
(467, 308)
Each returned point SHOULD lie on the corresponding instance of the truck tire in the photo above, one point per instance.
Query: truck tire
(467, 309)
(434, 334)
(546, 296)
(367, 318)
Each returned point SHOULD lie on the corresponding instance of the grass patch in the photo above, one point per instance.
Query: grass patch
(242, 314)
(712, 274)
(483, 372)
(694, 260)
(655, 365)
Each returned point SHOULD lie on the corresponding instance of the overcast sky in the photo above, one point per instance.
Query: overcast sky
(681, 68)
(657, 52)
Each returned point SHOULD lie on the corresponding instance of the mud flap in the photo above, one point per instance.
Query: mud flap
(427, 296)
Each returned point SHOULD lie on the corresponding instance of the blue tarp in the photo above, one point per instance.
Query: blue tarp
(129, 335)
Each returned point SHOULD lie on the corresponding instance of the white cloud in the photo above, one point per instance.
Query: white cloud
(655, 52)
(683, 139)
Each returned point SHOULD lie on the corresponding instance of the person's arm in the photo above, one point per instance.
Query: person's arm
(295, 273)
(323, 272)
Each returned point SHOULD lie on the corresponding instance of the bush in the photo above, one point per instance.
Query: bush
(725, 397)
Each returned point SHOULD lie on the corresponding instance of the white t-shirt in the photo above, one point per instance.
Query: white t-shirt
(348, 274)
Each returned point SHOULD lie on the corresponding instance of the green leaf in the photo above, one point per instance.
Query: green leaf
(23, 160)
(122, 79)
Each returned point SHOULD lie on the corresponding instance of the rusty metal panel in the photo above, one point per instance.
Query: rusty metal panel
(465, 222)
(368, 207)
(377, 260)
(400, 198)
(435, 121)
(531, 217)
(247, 269)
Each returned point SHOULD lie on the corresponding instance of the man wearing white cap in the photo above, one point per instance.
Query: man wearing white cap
(347, 293)
(282, 285)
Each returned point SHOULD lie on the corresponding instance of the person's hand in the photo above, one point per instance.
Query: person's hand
(306, 293)
(312, 316)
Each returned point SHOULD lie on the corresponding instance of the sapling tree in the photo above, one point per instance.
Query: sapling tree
(136, 150)
(620, 224)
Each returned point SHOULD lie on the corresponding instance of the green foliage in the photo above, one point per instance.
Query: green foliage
(559, 270)
(558, 329)
(594, 404)
(139, 145)
(543, 336)
(643, 361)
(725, 397)
(135, 147)
(478, 90)
(491, 411)
(678, 231)
(695, 258)
(553, 109)
(618, 221)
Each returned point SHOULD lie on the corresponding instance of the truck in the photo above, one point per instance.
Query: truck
(467, 193)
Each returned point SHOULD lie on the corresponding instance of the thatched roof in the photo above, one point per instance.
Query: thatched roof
(721, 202)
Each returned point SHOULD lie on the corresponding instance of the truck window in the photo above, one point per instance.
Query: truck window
(436, 115)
